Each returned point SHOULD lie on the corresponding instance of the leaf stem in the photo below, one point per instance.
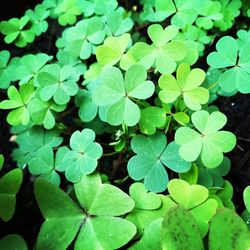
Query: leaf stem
(213, 85)
(109, 154)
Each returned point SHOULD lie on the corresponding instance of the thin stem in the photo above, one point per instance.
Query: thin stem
(213, 85)
(109, 154)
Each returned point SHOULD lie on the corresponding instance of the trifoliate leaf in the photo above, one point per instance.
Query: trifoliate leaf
(83, 156)
(186, 85)
(119, 94)
(209, 142)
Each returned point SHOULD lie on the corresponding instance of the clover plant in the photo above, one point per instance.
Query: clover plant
(111, 109)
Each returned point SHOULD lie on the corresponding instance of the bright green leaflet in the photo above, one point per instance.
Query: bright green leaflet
(45, 164)
(13, 242)
(81, 39)
(195, 198)
(163, 53)
(96, 220)
(38, 18)
(228, 55)
(180, 231)
(67, 10)
(10, 184)
(30, 65)
(227, 224)
(17, 31)
(18, 101)
(112, 50)
(43, 112)
(209, 143)
(1, 161)
(83, 156)
(151, 119)
(246, 196)
(120, 94)
(58, 83)
(186, 86)
(150, 238)
(152, 155)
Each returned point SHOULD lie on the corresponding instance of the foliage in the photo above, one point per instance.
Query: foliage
(109, 102)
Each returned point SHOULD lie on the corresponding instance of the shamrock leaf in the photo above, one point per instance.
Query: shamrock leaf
(226, 223)
(186, 85)
(67, 10)
(163, 52)
(98, 7)
(117, 22)
(30, 65)
(31, 140)
(152, 118)
(13, 242)
(17, 31)
(10, 184)
(18, 101)
(112, 51)
(229, 55)
(38, 19)
(5, 70)
(43, 112)
(45, 165)
(152, 156)
(209, 142)
(145, 208)
(117, 93)
(195, 198)
(97, 219)
(57, 82)
(83, 156)
(81, 39)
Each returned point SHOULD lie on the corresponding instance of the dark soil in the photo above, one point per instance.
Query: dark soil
(27, 218)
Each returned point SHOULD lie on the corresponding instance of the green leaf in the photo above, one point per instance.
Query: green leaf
(152, 118)
(226, 223)
(163, 52)
(180, 231)
(246, 197)
(186, 195)
(57, 83)
(111, 52)
(82, 158)
(67, 10)
(80, 40)
(210, 143)
(63, 217)
(13, 242)
(10, 184)
(120, 94)
(186, 86)
(18, 102)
